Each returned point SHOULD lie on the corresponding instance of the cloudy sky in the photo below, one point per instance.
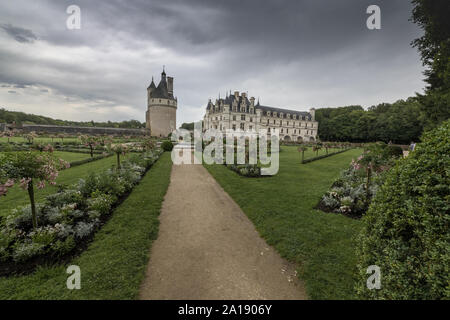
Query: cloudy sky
(292, 54)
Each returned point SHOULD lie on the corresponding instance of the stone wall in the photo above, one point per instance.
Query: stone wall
(162, 120)
(83, 130)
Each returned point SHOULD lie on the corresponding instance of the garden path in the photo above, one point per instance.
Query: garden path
(207, 248)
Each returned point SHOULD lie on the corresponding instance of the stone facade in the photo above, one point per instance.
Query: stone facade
(161, 115)
(236, 111)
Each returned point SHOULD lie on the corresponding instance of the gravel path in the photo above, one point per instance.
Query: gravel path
(208, 249)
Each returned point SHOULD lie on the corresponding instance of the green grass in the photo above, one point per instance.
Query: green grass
(71, 156)
(114, 265)
(18, 197)
(281, 208)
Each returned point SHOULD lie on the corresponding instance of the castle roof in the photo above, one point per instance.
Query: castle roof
(161, 91)
(266, 109)
(229, 99)
(152, 85)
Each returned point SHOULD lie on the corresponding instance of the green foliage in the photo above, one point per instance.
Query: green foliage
(406, 229)
(434, 47)
(167, 145)
(72, 212)
(114, 265)
(21, 117)
(393, 151)
(398, 122)
(188, 126)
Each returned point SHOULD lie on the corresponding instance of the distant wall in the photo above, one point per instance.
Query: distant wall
(2, 127)
(84, 130)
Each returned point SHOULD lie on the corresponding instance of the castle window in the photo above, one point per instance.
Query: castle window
(274, 122)
(243, 117)
(287, 130)
(251, 119)
(242, 126)
(268, 130)
(267, 121)
(234, 127)
(281, 130)
(250, 128)
(288, 123)
(234, 118)
(159, 100)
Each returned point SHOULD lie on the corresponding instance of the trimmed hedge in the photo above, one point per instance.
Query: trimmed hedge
(323, 156)
(167, 145)
(406, 229)
(87, 160)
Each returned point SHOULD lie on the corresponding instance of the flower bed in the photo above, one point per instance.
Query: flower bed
(353, 191)
(323, 156)
(246, 170)
(67, 220)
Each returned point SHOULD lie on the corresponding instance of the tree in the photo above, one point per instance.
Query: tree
(302, 149)
(91, 142)
(434, 47)
(29, 168)
(30, 136)
(119, 149)
(147, 144)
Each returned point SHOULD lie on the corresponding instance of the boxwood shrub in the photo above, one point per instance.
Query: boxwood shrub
(406, 229)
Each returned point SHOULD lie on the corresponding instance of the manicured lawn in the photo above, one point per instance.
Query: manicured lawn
(71, 156)
(18, 197)
(114, 264)
(281, 207)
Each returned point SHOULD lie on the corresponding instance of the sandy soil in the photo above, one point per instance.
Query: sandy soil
(208, 249)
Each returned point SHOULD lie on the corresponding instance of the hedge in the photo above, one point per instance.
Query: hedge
(406, 229)
(323, 156)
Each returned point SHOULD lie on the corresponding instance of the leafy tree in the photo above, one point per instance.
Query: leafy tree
(119, 149)
(434, 47)
(302, 149)
(91, 142)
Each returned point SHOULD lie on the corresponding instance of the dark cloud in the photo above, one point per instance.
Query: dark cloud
(19, 34)
(300, 52)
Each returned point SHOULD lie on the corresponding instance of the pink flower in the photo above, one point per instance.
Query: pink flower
(24, 183)
(41, 184)
(9, 183)
(48, 148)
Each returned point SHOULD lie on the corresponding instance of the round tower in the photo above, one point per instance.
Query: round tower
(161, 117)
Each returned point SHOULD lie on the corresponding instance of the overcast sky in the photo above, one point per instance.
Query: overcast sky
(291, 54)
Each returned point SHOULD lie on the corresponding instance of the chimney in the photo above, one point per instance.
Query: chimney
(170, 85)
(252, 101)
(244, 95)
(236, 94)
(312, 112)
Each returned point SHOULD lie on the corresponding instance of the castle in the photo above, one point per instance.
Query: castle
(238, 112)
(161, 115)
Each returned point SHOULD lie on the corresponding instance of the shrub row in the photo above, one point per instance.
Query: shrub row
(323, 156)
(87, 160)
(68, 219)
